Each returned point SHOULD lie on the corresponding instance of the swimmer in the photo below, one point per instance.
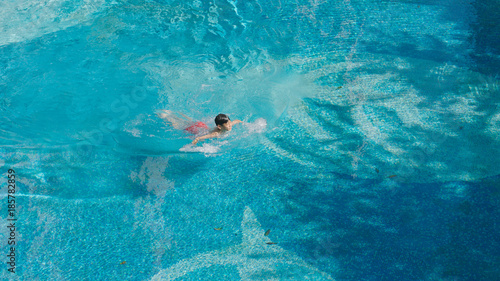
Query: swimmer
(182, 122)
(223, 123)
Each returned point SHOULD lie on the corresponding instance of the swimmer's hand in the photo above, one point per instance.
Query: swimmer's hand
(208, 136)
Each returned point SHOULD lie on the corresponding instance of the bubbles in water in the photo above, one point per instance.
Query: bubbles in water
(204, 148)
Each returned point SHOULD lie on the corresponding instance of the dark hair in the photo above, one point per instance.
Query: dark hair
(221, 119)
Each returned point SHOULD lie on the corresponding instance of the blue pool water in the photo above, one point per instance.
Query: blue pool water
(370, 145)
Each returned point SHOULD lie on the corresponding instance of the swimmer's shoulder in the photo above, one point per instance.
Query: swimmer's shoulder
(215, 132)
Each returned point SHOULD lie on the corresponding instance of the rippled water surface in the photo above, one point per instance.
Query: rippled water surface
(369, 150)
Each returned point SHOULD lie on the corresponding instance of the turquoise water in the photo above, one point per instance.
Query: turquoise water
(370, 145)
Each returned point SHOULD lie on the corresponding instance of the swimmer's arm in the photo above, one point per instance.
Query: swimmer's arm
(208, 136)
(236, 122)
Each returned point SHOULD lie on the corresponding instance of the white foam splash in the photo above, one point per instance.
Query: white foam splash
(258, 126)
(204, 148)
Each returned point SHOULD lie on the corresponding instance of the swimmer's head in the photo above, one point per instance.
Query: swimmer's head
(223, 122)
